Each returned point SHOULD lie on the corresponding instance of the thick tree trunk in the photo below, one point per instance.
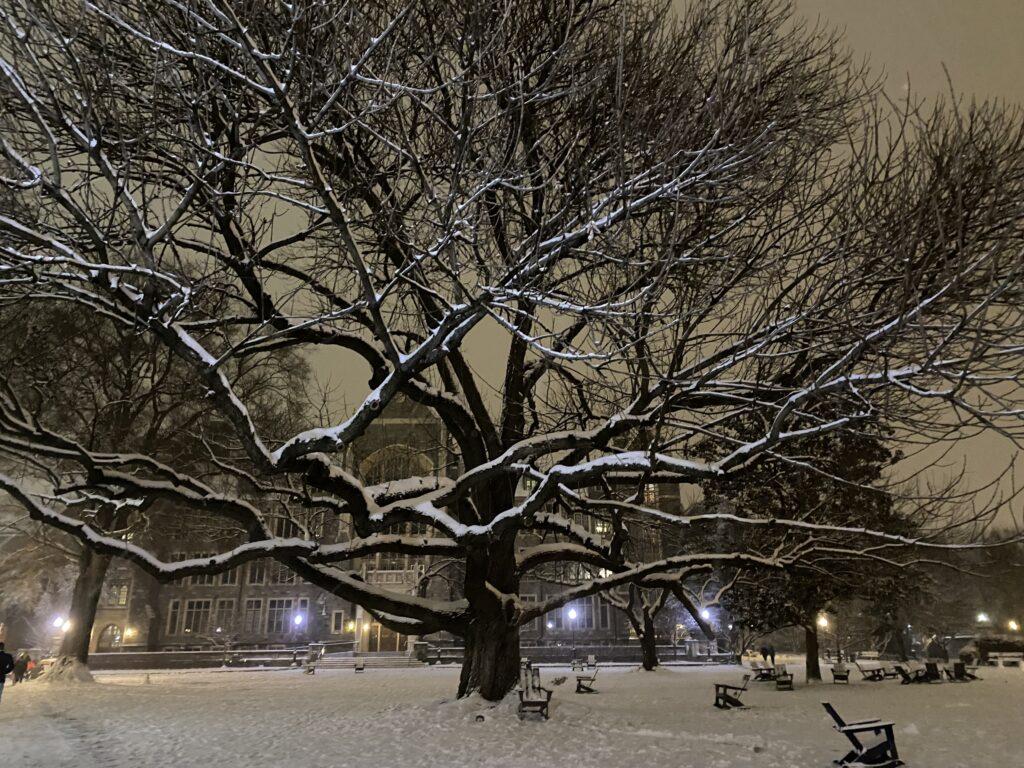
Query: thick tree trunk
(84, 599)
(649, 644)
(491, 666)
(811, 646)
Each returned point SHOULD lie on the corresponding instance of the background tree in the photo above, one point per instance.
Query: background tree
(668, 225)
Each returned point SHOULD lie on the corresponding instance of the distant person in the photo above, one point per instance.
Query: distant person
(764, 653)
(828, 655)
(6, 666)
(20, 667)
(771, 653)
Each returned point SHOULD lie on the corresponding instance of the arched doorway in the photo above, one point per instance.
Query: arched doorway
(109, 639)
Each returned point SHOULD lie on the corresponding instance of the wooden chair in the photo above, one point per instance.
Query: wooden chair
(728, 696)
(883, 754)
(840, 673)
(889, 672)
(592, 661)
(911, 676)
(931, 672)
(873, 675)
(533, 697)
(576, 665)
(783, 678)
(961, 673)
(585, 683)
(360, 665)
(762, 672)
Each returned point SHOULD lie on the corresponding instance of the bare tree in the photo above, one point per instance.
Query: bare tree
(669, 225)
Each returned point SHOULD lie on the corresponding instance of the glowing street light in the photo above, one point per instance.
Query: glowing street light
(705, 614)
(58, 622)
(982, 618)
(298, 619)
(550, 625)
(66, 626)
(823, 622)
(572, 628)
(1013, 625)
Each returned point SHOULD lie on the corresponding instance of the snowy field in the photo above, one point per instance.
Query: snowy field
(384, 718)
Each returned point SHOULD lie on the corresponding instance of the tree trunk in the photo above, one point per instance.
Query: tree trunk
(649, 644)
(84, 599)
(811, 646)
(491, 665)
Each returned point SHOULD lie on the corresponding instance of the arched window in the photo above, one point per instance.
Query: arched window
(394, 462)
(110, 638)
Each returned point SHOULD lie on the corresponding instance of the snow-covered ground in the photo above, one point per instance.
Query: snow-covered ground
(407, 717)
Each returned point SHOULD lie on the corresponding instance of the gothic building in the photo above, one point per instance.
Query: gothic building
(264, 605)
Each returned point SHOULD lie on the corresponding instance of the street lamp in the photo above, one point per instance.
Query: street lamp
(572, 629)
(1013, 625)
(705, 614)
(982, 617)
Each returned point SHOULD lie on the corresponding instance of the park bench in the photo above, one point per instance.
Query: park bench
(882, 754)
(783, 678)
(1006, 658)
(871, 674)
(585, 683)
(592, 661)
(533, 697)
(840, 673)
(727, 696)
(359, 666)
(869, 655)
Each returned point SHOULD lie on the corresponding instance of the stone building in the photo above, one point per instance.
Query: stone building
(262, 604)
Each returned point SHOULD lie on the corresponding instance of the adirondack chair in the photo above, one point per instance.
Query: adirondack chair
(909, 676)
(533, 697)
(592, 661)
(883, 754)
(360, 665)
(889, 671)
(961, 673)
(783, 678)
(872, 674)
(762, 672)
(840, 673)
(728, 696)
(585, 683)
(931, 672)
(576, 665)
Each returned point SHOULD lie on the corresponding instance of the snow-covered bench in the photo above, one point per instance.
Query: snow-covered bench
(1006, 658)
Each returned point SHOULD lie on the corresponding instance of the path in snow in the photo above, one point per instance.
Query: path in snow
(385, 718)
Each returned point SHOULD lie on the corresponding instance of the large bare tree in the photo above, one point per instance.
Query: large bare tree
(669, 226)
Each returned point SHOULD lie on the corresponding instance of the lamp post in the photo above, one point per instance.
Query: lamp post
(572, 628)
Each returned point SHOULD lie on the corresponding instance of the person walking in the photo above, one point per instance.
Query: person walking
(764, 653)
(771, 654)
(6, 666)
(20, 667)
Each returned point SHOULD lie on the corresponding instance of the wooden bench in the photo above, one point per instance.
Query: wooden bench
(728, 696)
(883, 754)
(783, 678)
(840, 673)
(533, 697)
(1006, 658)
(585, 683)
